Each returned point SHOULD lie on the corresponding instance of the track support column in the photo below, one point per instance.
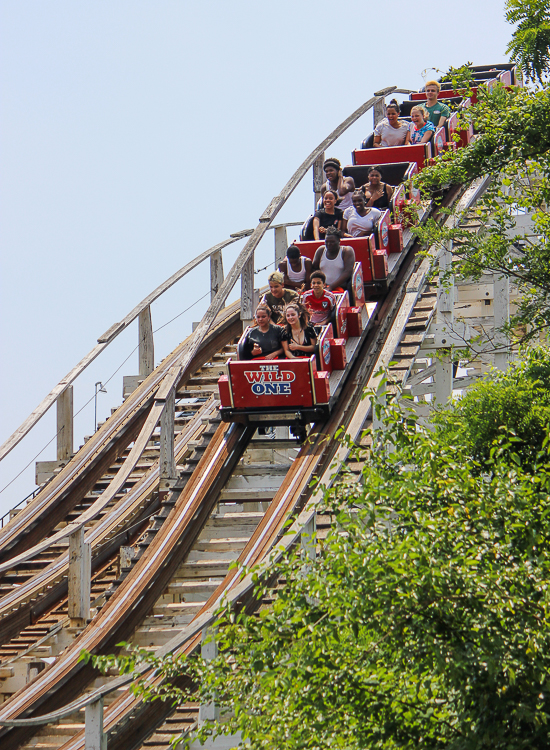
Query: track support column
(167, 460)
(281, 244)
(209, 651)
(80, 572)
(378, 111)
(210, 711)
(216, 273)
(445, 320)
(308, 541)
(318, 177)
(501, 304)
(94, 736)
(146, 344)
(248, 294)
(65, 424)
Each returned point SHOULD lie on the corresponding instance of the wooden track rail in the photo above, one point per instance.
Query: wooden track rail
(18, 537)
(192, 502)
(255, 236)
(49, 507)
(312, 458)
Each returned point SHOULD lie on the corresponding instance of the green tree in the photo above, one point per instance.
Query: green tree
(529, 47)
(424, 621)
(516, 401)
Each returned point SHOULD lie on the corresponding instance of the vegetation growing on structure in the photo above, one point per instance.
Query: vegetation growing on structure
(425, 618)
(512, 145)
(515, 402)
(530, 44)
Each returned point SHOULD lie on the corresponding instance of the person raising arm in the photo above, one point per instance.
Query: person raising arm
(342, 186)
(278, 297)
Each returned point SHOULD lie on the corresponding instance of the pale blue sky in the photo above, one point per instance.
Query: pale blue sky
(137, 134)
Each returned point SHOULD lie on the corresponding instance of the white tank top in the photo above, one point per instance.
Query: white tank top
(293, 275)
(332, 269)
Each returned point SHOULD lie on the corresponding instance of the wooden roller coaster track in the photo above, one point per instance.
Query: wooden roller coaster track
(161, 551)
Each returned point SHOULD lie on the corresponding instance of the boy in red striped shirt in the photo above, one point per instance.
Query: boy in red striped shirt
(318, 300)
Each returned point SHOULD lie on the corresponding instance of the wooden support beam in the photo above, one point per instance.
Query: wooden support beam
(379, 400)
(308, 541)
(166, 458)
(209, 651)
(378, 111)
(80, 571)
(216, 273)
(65, 424)
(146, 344)
(281, 245)
(501, 307)
(318, 177)
(443, 379)
(446, 288)
(247, 291)
(94, 736)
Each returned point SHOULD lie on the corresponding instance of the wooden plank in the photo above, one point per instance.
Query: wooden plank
(146, 344)
(318, 177)
(216, 273)
(80, 573)
(65, 424)
(247, 290)
(166, 457)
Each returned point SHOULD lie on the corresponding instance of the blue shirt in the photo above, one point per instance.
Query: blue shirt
(416, 135)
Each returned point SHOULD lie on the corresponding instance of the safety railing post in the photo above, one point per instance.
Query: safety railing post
(65, 424)
(247, 292)
(94, 736)
(80, 571)
(216, 273)
(146, 344)
(308, 540)
(378, 111)
(281, 244)
(318, 177)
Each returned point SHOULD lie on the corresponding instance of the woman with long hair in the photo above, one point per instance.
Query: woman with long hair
(421, 127)
(299, 337)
